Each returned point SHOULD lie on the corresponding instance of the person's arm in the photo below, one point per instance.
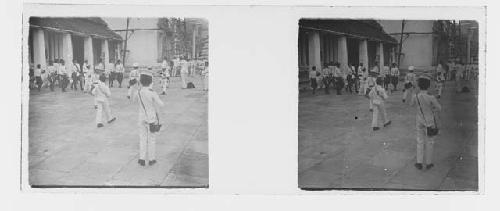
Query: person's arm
(435, 104)
(157, 100)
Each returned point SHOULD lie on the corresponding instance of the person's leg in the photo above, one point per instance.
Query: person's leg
(98, 115)
(107, 111)
(429, 150)
(375, 116)
(386, 120)
(143, 139)
(420, 142)
(151, 147)
(371, 105)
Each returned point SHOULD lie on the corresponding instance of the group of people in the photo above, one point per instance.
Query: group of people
(93, 80)
(352, 79)
(377, 84)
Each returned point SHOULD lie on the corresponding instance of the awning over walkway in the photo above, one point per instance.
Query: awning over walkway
(94, 27)
(363, 29)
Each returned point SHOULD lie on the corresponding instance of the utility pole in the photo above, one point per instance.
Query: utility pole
(401, 42)
(125, 45)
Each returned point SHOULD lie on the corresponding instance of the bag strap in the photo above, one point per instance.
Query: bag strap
(420, 106)
(144, 107)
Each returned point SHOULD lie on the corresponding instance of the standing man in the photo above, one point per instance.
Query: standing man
(394, 76)
(63, 75)
(409, 83)
(38, 76)
(75, 72)
(149, 111)
(165, 77)
(119, 72)
(378, 96)
(133, 80)
(312, 78)
(184, 72)
(102, 94)
(339, 79)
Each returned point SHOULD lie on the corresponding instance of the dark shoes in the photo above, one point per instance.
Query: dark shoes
(429, 166)
(388, 123)
(100, 125)
(371, 109)
(112, 120)
(419, 166)
(163, 93)
(152, 162)
(375, 128)
(142, 162)
(404, 100)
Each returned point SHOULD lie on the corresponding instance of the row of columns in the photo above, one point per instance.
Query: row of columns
(39, 46)
(336, 50)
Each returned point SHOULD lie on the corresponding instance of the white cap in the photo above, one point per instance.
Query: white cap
(411, 68)
(135, 64)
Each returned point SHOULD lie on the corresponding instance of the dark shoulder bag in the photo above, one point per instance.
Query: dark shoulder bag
(431, 131)
(155, 126)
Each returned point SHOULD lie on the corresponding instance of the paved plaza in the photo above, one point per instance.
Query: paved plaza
(67, 149)
(339, 149)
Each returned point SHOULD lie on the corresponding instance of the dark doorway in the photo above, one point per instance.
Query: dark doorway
(78, 49)
(353, 51)
(372, 54)
(97, 48)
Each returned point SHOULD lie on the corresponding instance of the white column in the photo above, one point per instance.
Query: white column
(67, 51)
(380, 52)
(105, 52)
(363, 52)
(195, 31)
(314, 50)
(342, 50)
(88, 50)
(469, 38)
(39, 48)
(332, 48)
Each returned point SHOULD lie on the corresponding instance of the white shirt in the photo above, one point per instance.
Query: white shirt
(119, 68)
(101, 92)
(149, 104)
(38, 72)
(378, 94)
(394, 71)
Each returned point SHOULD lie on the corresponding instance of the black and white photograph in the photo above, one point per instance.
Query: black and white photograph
(117, 101)
(388, 104)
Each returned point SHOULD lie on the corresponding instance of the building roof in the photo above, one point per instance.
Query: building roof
(94, 27)
(363, 29)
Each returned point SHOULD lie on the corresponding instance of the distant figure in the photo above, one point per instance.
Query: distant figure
(184, 71)
(439, 83)
(409, 83)
(119, 69)
(378, 96)
(133, 82)
(205, 77)
(339, 78)
(394, 76)
(427, 110)
(312, 78)
(102, 93)
(38, 76)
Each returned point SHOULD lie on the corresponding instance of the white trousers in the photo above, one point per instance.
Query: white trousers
(376, 110)
(425, 144)
(164, 84)
(102, 105)
(183, 79)
(407, 92)
(147, 143)
(439, 88)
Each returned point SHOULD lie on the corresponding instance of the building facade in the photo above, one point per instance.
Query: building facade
(150, 40)
(349, 42)
(71, 39)
(426, 43)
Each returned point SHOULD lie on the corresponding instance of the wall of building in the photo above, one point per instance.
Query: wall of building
(142, 45)
(417, 49)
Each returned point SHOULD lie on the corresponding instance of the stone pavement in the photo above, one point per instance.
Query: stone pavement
(67, 149)
(338, 149)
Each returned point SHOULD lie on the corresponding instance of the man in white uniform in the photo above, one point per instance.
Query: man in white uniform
(149, 111)
(184, 72)
(133, 82)
(102, 93)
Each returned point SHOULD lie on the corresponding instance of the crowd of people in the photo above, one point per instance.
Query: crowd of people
(377, 84)
(97, 81)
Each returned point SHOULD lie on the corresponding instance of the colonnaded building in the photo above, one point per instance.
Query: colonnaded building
(72, 38)
(348, 42)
